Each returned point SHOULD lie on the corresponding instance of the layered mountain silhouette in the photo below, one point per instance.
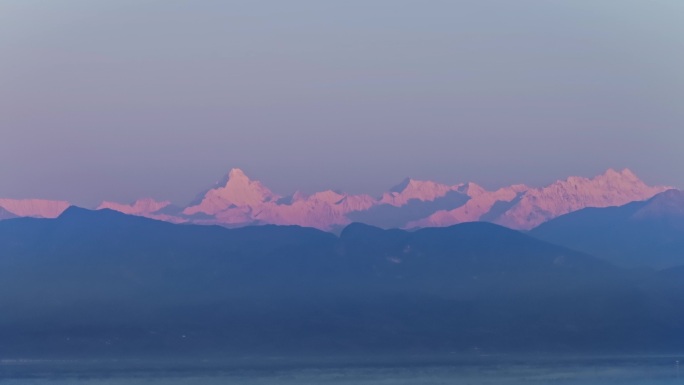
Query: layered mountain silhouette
(239, 201)
(646, 233)
(103, 282)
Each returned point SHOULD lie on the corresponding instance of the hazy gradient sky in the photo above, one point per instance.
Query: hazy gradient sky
(126, 98)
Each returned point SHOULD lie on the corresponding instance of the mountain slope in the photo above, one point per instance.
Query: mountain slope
(646, 233)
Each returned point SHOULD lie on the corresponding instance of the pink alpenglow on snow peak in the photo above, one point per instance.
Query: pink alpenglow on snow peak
(145, 206)
(323, 210)
(240, 201)
(611, 188)
(38, 208)
(238, 191)
(480, 203)
(415, 189)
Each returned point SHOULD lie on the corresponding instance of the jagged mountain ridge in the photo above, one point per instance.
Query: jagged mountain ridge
(240, 201)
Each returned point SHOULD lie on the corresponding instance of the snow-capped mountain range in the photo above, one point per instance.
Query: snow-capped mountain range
(239, 201)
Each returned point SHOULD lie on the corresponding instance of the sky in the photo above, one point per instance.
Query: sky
(117, 100)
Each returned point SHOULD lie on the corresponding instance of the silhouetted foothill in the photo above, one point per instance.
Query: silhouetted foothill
(94, 276)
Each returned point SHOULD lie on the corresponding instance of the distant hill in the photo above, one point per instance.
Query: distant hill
(101, 282)
(647, 233)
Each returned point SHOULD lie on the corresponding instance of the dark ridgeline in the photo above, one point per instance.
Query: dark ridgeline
(101, 282)
(648, 233)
